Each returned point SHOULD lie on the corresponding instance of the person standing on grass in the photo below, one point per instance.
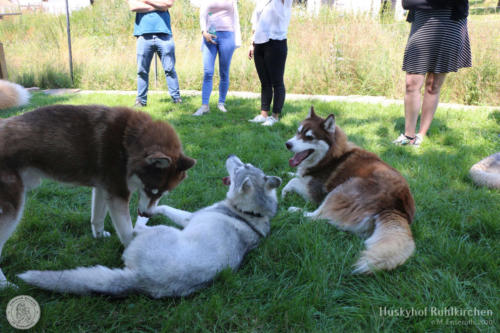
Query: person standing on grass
(154, 34)
(220, 27)
(270, 21)
(438, 44)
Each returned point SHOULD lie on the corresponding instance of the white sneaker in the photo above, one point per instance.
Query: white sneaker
(202, 110)
(258, 119)
(418, 140)
(403, 140)
(270, 121)
(221, 107)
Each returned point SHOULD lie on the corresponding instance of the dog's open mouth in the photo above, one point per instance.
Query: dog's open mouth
(226, 180)
(299, 157)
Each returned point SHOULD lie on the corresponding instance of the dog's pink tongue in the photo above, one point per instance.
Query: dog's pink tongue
(297, 158)
(226, 181)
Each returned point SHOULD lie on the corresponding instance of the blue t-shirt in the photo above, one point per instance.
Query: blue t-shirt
(152, 22)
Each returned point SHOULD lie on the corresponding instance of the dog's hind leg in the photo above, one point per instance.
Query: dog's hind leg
(12, 196)
(180, 217)
(348, 208)
(98, 213)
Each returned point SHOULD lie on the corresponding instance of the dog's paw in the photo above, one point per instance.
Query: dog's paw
(100, 233)
(291, 174)
(294, 209)
(140, 224)
(284, 192)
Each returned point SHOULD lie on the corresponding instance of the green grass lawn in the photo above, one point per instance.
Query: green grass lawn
(299, 278)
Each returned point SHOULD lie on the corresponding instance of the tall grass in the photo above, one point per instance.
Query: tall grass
(329, 54)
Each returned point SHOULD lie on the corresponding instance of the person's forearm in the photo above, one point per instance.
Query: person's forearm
(140, 6)
(203, 17)
(162, 5)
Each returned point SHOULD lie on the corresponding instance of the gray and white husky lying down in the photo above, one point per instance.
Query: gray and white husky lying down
(166, 261)
(487, 172)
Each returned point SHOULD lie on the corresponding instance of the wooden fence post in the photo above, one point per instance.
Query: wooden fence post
(3, 65)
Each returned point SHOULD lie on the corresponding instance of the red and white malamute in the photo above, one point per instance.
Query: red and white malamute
(114, 150)
(356, 191)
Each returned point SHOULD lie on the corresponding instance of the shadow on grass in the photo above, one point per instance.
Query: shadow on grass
(495, 115)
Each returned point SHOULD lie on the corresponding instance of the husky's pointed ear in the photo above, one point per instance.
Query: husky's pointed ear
(245, 186)
(184, 163)
(329, 123)
(159, 160)
(272, 182)
(311, 114)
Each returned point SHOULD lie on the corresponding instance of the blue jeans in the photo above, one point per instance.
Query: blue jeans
(225, 47)
(163, 45)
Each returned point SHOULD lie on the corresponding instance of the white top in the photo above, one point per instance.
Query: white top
(220, 10)
(270, 20)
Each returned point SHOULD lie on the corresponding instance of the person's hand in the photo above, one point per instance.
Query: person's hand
(209, 37)
(250, 52)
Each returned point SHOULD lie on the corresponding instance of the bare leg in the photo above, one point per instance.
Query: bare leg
(414, 83)
(433, 84)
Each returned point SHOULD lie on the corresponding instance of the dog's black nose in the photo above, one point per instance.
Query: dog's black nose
(143, 214)
(288, 145)
(229, 156)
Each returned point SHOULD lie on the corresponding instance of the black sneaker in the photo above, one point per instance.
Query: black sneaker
(139, 104)
(177, 100)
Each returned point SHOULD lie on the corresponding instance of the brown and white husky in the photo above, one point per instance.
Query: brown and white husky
(356, 191)
(115, 150)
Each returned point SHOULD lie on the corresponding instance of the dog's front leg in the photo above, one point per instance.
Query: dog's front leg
(297, 185)
(120, 216)
(180, 217)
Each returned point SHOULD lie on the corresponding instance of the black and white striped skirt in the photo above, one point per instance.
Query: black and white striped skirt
(437, 44)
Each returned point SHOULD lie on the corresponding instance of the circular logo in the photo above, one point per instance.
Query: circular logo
(23, 312)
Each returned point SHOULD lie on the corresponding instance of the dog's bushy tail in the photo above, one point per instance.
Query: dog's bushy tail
(390, 245)
(12, 94)
(84, 280)
(486, 172)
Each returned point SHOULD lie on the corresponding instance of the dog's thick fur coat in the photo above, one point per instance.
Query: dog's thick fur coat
(487, 172)
(12, 94)
(356, 191)
(115, 150)
(165, 261)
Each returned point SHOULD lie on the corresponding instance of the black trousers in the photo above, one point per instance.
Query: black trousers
(270, 58)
